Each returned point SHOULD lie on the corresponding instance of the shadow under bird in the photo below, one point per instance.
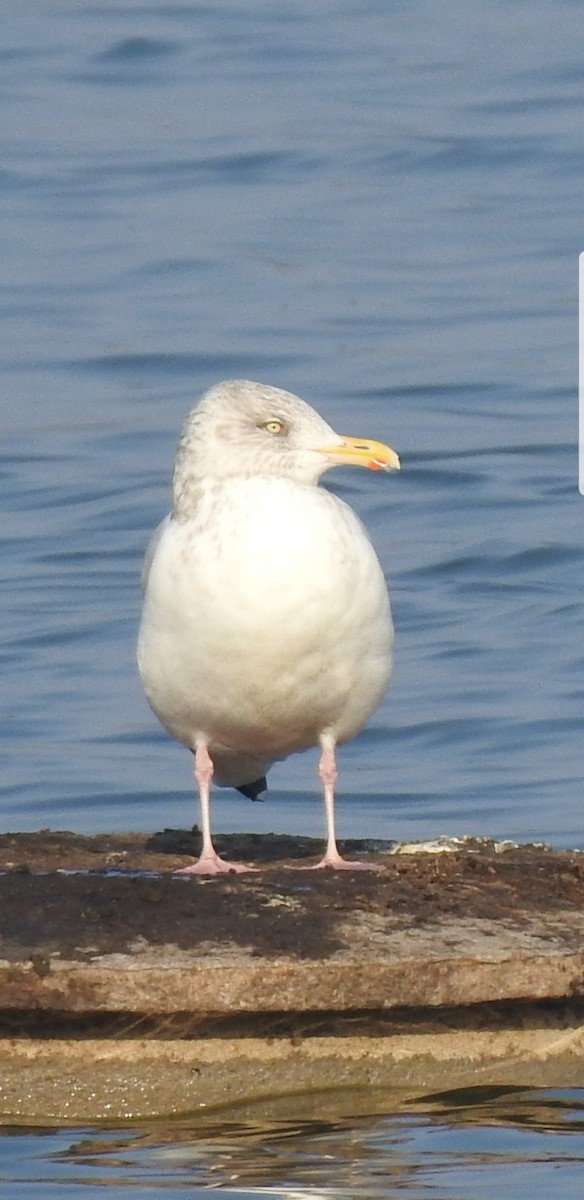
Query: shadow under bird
(266, 626)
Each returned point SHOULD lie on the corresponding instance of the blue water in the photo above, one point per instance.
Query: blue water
(375, 205)
(379, 208)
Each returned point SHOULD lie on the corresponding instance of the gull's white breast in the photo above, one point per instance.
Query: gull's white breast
(266, 620)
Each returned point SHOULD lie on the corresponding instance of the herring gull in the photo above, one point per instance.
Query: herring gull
(266, 626)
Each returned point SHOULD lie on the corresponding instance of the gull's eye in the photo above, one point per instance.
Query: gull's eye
(275, 427)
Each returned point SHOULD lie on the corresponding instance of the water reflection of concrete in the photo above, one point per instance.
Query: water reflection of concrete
(338, 1143)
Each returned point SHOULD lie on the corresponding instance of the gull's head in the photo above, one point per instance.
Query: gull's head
(244, 428)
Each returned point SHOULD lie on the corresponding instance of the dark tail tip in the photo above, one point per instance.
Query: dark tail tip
(254, 790)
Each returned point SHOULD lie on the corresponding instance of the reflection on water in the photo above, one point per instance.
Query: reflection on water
(469, 1143)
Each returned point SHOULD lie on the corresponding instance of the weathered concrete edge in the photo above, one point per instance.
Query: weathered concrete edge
(285, 985)
(130, 1078)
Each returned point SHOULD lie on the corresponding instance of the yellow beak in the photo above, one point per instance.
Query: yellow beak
(360, 453)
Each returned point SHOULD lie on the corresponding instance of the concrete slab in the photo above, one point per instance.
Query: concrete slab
(132, 992)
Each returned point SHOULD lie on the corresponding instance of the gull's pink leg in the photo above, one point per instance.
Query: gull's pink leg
(327, 770)
(209, 862)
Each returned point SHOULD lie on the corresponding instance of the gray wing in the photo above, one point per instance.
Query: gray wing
(151, 550)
